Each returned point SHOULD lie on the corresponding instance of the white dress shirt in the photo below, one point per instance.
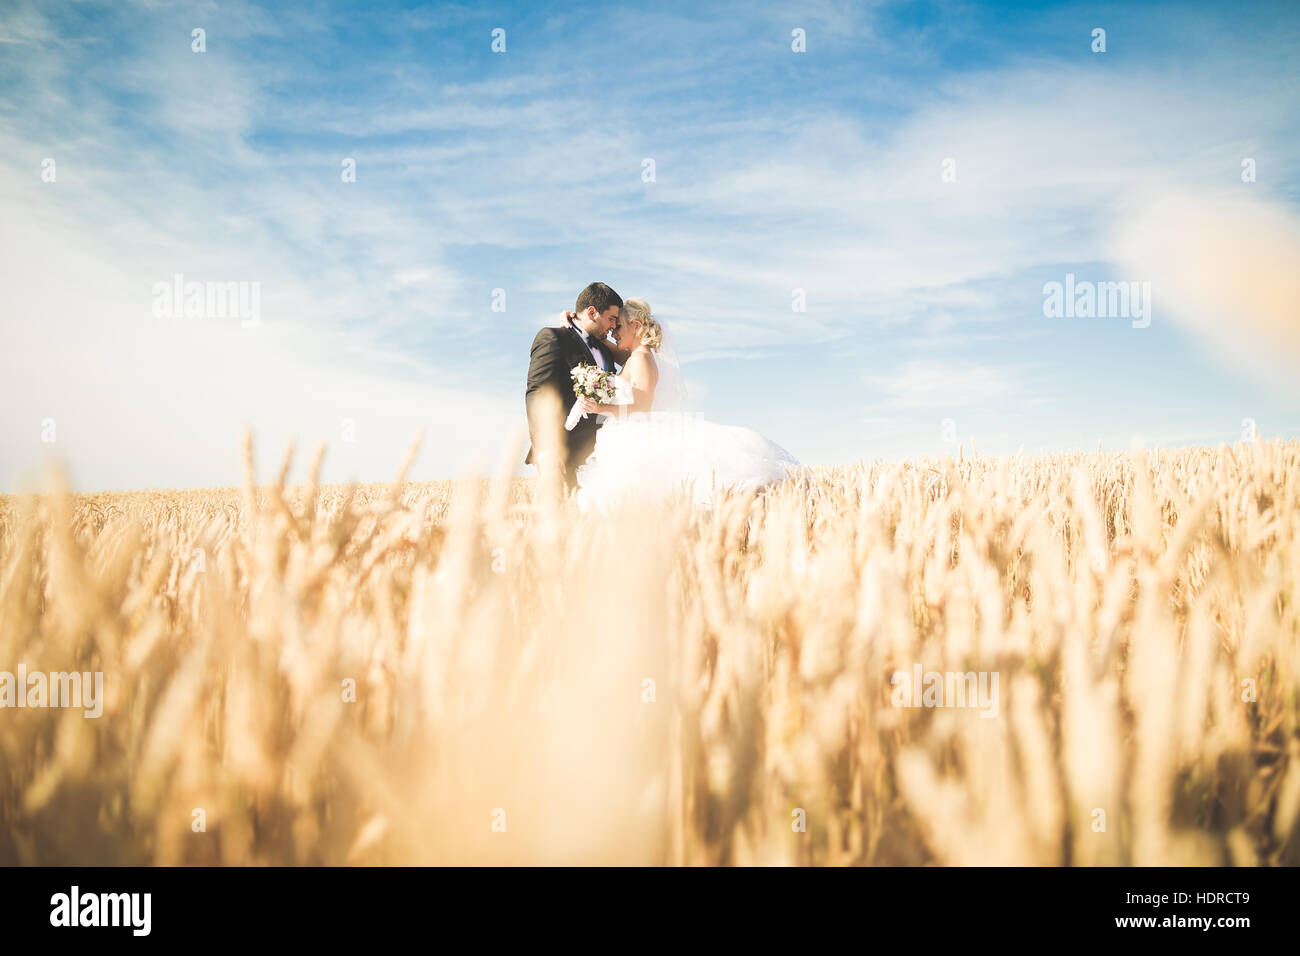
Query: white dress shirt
(595, 349)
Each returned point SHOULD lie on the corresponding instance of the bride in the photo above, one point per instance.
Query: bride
(653, 446)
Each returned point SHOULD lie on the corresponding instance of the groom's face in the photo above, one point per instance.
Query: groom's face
(600, 324)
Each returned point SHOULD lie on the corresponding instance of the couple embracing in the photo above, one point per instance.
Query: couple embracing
(649, 447)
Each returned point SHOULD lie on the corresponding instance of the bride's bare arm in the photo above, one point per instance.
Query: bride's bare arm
(644, 375)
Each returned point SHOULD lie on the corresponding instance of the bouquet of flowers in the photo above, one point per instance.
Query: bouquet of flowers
(603, 388)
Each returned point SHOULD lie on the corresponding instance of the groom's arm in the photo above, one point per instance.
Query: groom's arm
(546, 367)
(543, 399)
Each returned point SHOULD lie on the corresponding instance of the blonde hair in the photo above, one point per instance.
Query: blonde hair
(638, 310)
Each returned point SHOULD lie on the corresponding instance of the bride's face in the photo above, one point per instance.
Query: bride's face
(627, 335)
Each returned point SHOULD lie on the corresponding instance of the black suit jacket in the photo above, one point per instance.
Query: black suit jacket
(555, 352)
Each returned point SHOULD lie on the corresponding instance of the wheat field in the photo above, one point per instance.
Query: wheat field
(474, 672)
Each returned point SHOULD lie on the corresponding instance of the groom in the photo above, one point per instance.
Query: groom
(549, 394)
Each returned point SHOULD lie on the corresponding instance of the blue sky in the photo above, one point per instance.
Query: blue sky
(522, 171)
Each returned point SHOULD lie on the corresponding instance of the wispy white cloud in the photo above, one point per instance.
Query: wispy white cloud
(931, 383)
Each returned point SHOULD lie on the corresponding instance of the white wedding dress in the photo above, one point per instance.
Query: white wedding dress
(654, 454)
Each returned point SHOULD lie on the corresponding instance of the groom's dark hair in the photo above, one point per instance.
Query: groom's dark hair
(599, 295)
